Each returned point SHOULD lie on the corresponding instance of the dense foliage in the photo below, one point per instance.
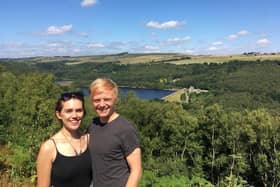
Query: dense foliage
(229, 137)
(234, 85)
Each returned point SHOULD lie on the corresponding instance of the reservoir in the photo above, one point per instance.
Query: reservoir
(144, 93)
(141, 93)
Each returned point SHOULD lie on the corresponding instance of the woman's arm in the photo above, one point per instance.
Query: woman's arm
(44, 163)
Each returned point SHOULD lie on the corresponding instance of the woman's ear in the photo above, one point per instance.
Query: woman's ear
(57, 114)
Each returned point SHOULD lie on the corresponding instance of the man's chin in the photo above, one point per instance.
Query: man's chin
(103, 115)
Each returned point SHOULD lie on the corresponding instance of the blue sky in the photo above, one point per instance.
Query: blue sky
(92, 27)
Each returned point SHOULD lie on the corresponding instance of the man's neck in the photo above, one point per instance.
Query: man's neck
(109, 118)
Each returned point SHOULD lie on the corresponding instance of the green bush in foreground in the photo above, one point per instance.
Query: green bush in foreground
(150, 179)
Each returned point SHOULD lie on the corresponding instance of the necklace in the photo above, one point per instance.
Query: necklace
(73, 147)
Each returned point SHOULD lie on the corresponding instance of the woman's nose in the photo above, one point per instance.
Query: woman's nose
(75, 114)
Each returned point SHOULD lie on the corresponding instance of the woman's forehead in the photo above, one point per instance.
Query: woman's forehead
(72, 102)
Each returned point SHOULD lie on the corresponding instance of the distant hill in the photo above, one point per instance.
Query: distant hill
(173, 58)
(249, 80)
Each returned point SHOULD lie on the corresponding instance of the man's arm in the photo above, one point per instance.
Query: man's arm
(135, 164)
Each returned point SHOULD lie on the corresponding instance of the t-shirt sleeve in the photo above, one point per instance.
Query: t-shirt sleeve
(130, 140)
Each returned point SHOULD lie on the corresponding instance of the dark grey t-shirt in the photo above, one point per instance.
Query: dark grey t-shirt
(109, 145)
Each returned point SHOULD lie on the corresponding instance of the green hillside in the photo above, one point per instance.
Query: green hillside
(226, 134)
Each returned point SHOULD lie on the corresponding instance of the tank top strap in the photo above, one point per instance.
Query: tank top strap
(87, 138)
(54, 143)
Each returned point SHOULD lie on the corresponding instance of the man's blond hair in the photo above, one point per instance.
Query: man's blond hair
(101, 84)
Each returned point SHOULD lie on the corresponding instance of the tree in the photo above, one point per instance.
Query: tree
(213, 128)
(262, 132)
(8, 88)
(31, 119)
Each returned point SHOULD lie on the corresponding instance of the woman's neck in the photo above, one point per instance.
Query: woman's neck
(71, 134)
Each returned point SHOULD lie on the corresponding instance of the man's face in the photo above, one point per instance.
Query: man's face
(103, 101)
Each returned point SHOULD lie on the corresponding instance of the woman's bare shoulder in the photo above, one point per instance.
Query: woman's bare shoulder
(48, 146)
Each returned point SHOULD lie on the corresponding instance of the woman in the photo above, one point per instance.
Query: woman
(64, 159)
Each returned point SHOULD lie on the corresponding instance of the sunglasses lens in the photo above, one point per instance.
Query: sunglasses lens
(79, 94)
(69, 95)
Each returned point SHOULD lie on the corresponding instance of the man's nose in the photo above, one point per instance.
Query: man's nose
(102, 103)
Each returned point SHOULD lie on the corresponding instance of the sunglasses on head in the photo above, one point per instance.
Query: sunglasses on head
(69, 95)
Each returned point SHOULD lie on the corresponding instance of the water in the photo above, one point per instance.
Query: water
(141, 93)
(144, 93)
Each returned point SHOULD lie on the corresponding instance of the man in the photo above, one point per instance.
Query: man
(114, 145)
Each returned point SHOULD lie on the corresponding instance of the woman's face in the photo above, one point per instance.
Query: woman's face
(71, 114)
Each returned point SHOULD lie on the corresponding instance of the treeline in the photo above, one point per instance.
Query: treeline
(224, 148)
(234, 85)
(201, 146)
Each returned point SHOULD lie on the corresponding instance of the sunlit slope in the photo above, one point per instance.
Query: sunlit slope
(125, 58)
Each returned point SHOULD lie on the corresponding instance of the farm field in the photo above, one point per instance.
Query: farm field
(226, 58)
(173, 58)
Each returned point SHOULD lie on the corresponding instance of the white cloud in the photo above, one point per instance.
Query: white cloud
(164, 25)
(189, 51)
(11, 45)
(232, 36)
(212, 48)
(217, 43)
(150, 47)
(95, 45)
(57, 44)
(86, 3)
(54, 44)
(58, 30)
(238, 34)
(62, 50)
(186, 38)
(83, 34)
(117, 45)
(263, 42)
(242, 33)
(76, 50)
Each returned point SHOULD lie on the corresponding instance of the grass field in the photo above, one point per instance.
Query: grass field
(175, 96)
(226, 58)
(158, 57)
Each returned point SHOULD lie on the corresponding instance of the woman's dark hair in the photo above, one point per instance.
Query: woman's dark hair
(67, 96)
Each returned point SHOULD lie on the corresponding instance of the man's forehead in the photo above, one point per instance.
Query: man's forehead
(103, 90)
(106, 92)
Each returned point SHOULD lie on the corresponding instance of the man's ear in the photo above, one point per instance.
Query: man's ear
(116, 100)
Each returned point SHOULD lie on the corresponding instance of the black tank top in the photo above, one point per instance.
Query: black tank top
(71, 171)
